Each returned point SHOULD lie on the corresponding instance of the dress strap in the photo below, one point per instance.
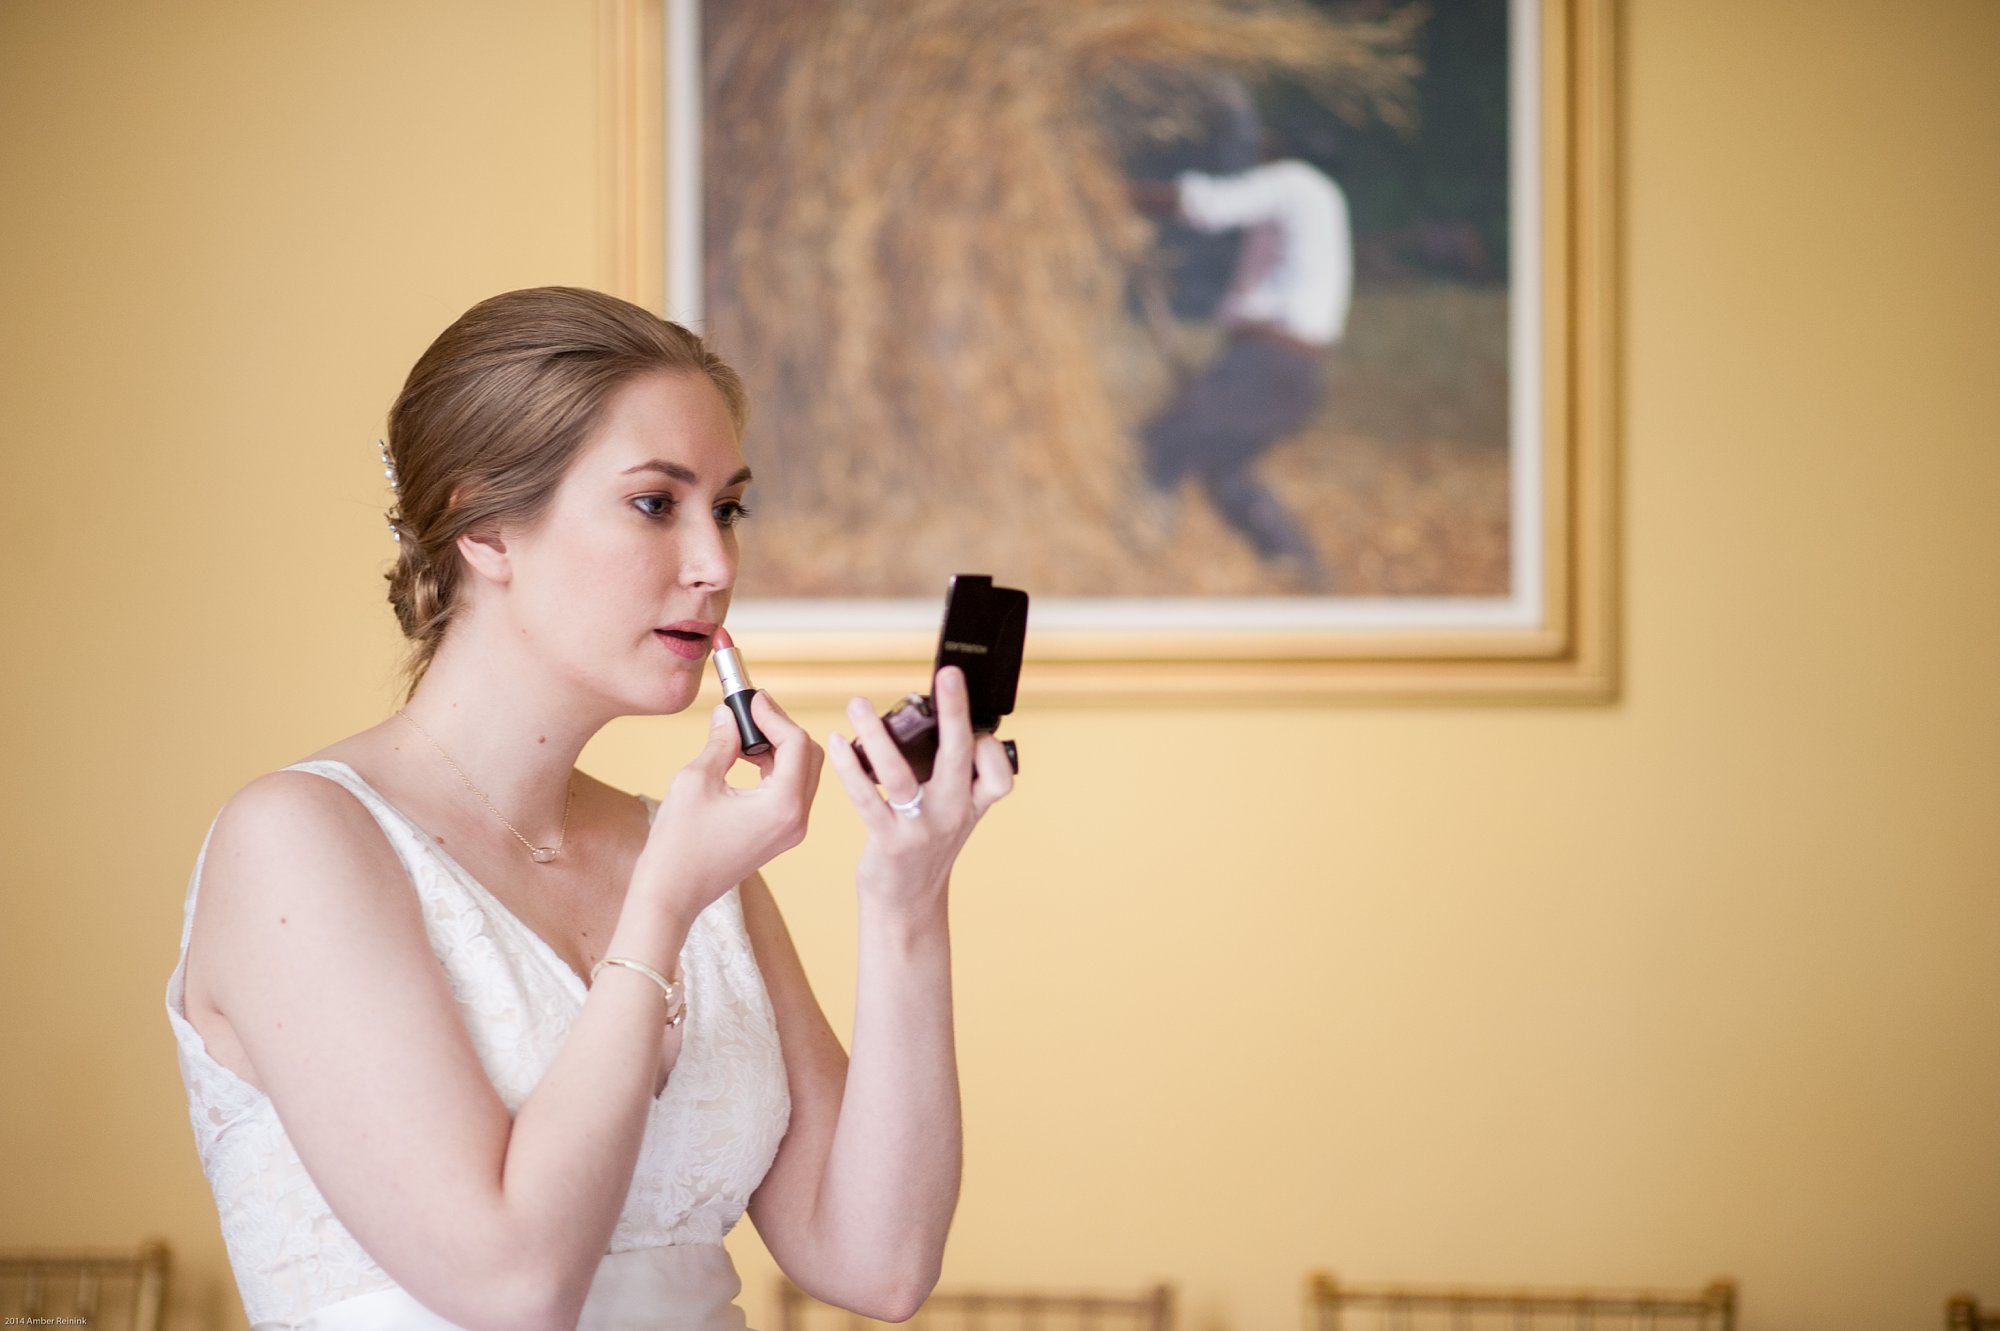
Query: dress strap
(399, 827)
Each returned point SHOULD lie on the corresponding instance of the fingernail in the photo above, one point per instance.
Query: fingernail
(857, 707)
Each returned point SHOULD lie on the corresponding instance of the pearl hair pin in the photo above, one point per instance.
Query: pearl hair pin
(389, 470)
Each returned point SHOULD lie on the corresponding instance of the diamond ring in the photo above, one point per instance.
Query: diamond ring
(909, 807)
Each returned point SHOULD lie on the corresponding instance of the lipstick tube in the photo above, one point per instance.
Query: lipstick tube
(737, 693)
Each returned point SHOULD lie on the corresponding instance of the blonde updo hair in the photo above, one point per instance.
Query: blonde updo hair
(490, 418)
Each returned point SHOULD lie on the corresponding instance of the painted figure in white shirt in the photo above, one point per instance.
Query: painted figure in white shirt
(1286, 303)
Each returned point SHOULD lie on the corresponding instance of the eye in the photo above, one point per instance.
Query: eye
(665, 502)
(730, 512)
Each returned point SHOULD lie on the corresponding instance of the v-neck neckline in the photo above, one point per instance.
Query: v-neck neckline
(549, 954)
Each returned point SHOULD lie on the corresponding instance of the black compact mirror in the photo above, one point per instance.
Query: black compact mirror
(984, 632)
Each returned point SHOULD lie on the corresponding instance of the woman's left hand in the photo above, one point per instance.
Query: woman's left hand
(908, 858)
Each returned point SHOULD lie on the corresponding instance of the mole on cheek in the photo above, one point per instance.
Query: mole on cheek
(281, 919)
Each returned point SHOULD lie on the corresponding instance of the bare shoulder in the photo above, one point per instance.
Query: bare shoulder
(317, 955)
(291, 804)
(590, 787)
(295, 819)
(599, 803)
(288, 849)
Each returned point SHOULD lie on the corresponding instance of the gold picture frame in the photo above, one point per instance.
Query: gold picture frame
(652, 67)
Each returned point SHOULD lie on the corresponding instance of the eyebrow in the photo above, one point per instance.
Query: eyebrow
(685, 475)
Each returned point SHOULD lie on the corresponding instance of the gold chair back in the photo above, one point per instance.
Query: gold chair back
(1963, 1313)
(1333, 1305)
(994, 1310)
(97, 1289)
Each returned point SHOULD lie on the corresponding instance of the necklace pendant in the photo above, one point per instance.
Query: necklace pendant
(543, 854)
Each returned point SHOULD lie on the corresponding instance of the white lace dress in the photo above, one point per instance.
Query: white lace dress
(710, 1137)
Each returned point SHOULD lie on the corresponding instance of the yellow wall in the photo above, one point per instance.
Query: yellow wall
(1696, 984)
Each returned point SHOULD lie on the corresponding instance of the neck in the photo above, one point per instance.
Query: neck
(516, 736)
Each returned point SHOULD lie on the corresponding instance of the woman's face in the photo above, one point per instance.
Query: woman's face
(619, 589)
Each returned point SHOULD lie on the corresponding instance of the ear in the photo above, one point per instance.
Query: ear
(485, 554)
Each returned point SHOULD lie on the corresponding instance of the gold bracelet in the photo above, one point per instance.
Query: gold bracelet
(672, 990)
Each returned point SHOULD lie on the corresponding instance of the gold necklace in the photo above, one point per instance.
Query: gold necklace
(539, 854)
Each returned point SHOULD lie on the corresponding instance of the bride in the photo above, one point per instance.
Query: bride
(472, 1038)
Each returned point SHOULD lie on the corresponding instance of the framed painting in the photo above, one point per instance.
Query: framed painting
(1269, 346)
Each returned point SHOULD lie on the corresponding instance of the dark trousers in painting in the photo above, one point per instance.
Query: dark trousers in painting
(1261, 389)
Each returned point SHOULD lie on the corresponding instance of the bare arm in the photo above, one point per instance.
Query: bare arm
(858, 1205)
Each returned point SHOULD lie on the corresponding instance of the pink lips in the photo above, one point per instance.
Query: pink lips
(689, 639)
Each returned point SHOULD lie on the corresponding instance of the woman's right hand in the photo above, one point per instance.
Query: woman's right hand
(708, 835)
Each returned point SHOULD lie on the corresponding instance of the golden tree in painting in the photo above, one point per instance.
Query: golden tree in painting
(922, 256)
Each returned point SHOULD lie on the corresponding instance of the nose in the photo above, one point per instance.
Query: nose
(708, 559)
